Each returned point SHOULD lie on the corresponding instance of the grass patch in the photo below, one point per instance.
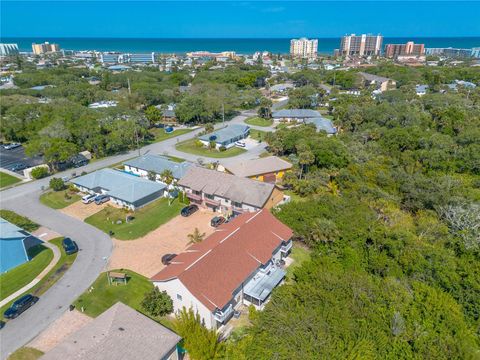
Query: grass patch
(258, 121)
(19, 220)
(294, 196)
(258, 135)
(7, 180)
(103, 296)
(190, 146)
(25, 353)
(299, 255)
(160, 134)
(146, 219)
(53, 275)
(174, 158)
(59, 199)
(23, 274)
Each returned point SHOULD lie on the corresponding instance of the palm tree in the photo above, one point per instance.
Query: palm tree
(167, 176)
(196, 236)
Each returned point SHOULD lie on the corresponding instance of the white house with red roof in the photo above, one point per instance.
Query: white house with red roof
(240, 263)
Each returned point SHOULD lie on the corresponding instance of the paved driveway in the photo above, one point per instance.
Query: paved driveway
(144, 255)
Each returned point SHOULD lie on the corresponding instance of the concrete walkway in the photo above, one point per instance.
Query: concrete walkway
(56, 257)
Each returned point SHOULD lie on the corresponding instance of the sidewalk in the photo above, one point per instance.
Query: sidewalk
(56, 257)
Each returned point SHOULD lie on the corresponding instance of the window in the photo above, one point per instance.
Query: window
(208, 196)
(179, 297)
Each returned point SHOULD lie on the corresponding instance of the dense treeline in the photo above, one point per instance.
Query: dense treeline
(391, 211)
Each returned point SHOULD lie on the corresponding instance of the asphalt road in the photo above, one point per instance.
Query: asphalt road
(95, 246)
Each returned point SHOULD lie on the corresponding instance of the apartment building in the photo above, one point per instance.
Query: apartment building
(409, 48)
(361, 45)
(239, 264)
(304, 48)
(8, 49)
(46, 47)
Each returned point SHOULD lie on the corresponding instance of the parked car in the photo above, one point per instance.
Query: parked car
(188, 210)
(167, 258)
(217, 221)
(18, 167)
(2, 324)
(11, 146)
(87, 199)
(69, 246)
(19, 306)
(100, 199)
(240, 144)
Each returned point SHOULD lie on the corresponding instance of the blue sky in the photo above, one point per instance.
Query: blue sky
(254, 19)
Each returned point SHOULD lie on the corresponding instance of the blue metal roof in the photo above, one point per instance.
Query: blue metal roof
(261, 286)
(12, 246)
(119, 185)
(296, 113)
(227, 133)
(322, 124)
(158, 164)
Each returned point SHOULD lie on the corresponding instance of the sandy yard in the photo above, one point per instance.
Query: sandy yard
(68, 323)
(45, 234)
(144, 255)
(81, 211)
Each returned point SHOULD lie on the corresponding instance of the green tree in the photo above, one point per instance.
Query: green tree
(157, 303)
(57, 184)
(153, 114)
(39, 172)
(167, 176)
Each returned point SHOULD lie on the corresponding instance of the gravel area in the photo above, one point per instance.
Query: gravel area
(81, 211)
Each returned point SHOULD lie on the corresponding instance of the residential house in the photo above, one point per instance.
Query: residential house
(281, 88)
(228, 194)
(157, 164)
(124, 189)
(14, 245)
(240, 263)
(421, 90)
(269, 169)
(322, 124)
(294, 115)
(119, 333)
(381, 83)
(226, 136)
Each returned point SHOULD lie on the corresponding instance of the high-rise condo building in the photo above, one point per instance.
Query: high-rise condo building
(410, 48)
(303, 48)
(46, 47)
(8, 49)
(361, 45)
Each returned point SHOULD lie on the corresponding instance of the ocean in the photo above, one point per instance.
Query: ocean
(241, 46)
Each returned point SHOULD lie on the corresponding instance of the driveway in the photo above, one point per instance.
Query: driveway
(81, 211)
(144, 255)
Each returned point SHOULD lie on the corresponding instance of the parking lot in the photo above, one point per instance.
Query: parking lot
(9, 158)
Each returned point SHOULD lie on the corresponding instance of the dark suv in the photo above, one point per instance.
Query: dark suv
(69, 246)
(188, 210)
(19, 306)
(217, 221)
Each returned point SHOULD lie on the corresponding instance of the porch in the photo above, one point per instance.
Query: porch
(259, 288)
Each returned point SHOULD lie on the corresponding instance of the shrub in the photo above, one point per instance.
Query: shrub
(157, 303)
(57, 184)
(39, 172)
(198, 143)
(212, 145)
(21, 221)
(222, 148)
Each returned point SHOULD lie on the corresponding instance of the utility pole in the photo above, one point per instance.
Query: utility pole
(136, 139)
(223, 113)
(129, 88)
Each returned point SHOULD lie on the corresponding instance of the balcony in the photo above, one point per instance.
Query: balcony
(286, 248)
(221, 316)
(193, 196)
(211, 202)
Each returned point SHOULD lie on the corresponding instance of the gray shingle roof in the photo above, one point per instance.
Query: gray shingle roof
(295, 113)
(228, 186)
(375, 78)
(322, 124)
(119, 333)
(259, 166)
(158, 164)
(118, 184)
(229, 132)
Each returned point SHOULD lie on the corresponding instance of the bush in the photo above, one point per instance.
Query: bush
(21, 221)
(222, 148)
(39, 172)
(212, 144)
(198, 143)
(157, 303)
(252, 313)
(57, 184)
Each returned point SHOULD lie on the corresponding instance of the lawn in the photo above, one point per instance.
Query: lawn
(59, 199)
(7, 180)
(23, 274)
(53, 275)
(299, 255)
(257, 134)
(102, 295)
(258, 121)
(191, 147)
(25, 353)
(161, 135)
(146, 219)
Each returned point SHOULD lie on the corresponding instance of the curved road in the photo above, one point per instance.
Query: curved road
(95, 246)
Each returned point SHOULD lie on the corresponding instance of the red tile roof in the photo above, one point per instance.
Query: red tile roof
(213, 269)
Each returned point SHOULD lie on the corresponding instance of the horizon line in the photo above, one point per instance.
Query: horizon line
(230, 38)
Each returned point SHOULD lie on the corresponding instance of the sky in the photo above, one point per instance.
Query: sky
(236, 19)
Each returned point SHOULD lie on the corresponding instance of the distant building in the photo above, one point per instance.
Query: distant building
(288, 115)
(103, 104)
(381, 83)
(227, 136)
(409, 48)
(118, 333)
(361, 45)
(451, 52)
(303, 48)
(157, 164)
(8, 49)
(208, 54)
(141, 58)
(46, 47)
(322, 124)
(108, 58)
(268, 169)
(421, 90)
(14, 245)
